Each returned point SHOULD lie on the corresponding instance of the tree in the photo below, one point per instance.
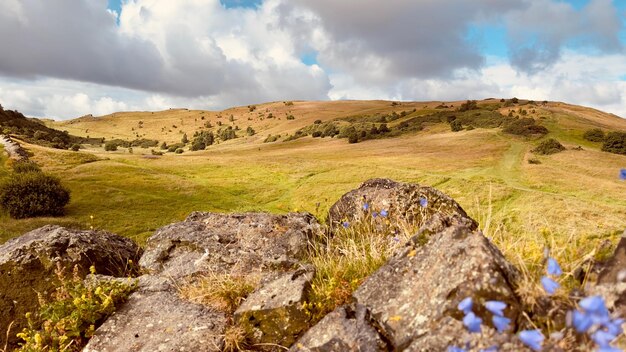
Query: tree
(184, 140)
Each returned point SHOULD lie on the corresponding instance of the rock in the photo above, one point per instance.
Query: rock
(275, 312)
(155, 318)
(13, 149)
(28, 264)
(347, 328)
(612, 280)
(412, 300)
(229, 242)
(402, 201)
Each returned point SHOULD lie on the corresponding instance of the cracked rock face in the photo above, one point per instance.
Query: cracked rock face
(224, 242)
(406, 203)
(28, 264)
(275, 312)
(155, 318)
(412, 300)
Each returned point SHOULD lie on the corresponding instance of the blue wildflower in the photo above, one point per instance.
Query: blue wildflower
(455, 349)
(366, 206)
(553, 267)
(495, 307)
(423, 202)
(346, 224)
(581, 321)
(615, 326)
(472, 322)
(549, 285)
(465, 305)
(383, 213)
(594, 305)
(490, 349)
(602, 338)
(501, 323)
(374, 214)
(622, 174)
(532, 339)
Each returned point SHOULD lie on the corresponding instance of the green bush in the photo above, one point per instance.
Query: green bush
(22, 167)
(534, 161)
(172, 148)
(456, 126)
(525, 127)
(179, 151)
(615, 142)
(353, 138)
(202, 139)
(110, 146)
(594, 135)
(32, 194)
(549, 146)
(75, 147)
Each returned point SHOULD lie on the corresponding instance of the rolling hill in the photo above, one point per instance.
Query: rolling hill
(572, 200)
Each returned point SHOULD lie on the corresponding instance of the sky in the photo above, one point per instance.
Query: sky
(67, 58)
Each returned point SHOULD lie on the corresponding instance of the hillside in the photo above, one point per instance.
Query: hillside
(573, 200)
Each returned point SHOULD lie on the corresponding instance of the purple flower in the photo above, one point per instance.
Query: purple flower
(495, 307)
(455, 349)
(615, 327)
(383, 213)
(595, 307)
(374, 214)
(532, 339)
(549, 285)
(490, 349)
(581, 321)
(346, 224)
(501, 323)
(423, 202)
(622, 174)
(465, 305)
(602, 338)
(472, 322)
(366, 206)
(396, 239)
(553, 267)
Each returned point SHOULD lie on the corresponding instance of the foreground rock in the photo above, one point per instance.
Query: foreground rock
(223, 243)
(28, 264)
(155, 318)
(406, 204)
(412, 300)
(13, 149)
(275, 312)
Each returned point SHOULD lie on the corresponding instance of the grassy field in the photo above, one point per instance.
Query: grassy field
(573, 201)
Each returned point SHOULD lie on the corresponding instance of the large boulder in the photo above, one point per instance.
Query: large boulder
(223, 243)
(412, 300)
(275, 312)
(28, 264)
(155, 318)
(406, 204)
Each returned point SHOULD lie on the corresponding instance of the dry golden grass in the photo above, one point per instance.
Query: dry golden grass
(223, 292)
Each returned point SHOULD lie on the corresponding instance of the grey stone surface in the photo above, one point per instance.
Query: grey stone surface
(347, 328)
(410, 295)
(400, 200)
(225, 242)
(275, 311)
(155, 318)
(28, 264)
(13, 149)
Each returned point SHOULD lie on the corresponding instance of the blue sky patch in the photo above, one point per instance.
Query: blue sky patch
(229, 4)
(309, 59)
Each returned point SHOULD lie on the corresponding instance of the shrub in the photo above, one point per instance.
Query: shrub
(525, 127)
(32, 194)
(179, 151)
(456, 126)
(110, 146)
(250, 131)
(316, 134)
(75, 310)
(156, 152)
(615, 142)
(534, 161)
(75, 147)
(290, 117)
(22, 167)
(549, 146)
(172, 148)
(201, 140)
(594, 135)
(353, 138)
(468, 105)
(317, 122)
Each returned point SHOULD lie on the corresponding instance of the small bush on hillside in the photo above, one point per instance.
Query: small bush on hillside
(202, 139)
(353, 138)
(32, 194)
(615, 142)
(317, 122)
(156, 152)
(456, 126)
(271, 138)
(179, 151)
(75, 147)
(549, 146)
(22, 167)
(534, 161)
(594, 135)
(110, 146)
(525, 127)
(172, 148)
(468, 105)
